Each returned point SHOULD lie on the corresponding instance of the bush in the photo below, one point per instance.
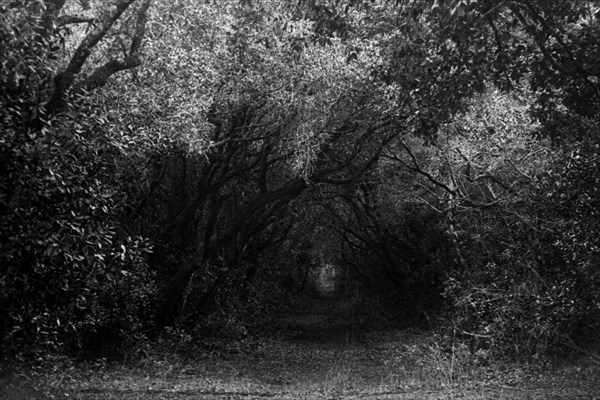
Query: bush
(517, 318)
(69, 270)
(67, 267)
(539, 296)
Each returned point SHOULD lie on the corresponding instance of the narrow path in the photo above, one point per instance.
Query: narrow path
(326, 319)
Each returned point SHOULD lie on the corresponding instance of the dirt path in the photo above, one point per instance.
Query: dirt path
(319, 354)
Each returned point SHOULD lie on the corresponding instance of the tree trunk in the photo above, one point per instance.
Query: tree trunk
(169, 311)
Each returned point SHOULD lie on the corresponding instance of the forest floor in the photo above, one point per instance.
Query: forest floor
(315, 354)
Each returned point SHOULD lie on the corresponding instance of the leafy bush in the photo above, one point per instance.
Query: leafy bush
(67, 267)
(69, 270)
(539, 296)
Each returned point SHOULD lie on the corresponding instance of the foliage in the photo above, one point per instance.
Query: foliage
(519, 290)
(514, 286)
(411, 141)
(572, 200)
(69, 270)
(257, 110)
(68, 267)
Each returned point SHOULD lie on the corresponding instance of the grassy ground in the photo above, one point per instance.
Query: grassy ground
(316, 355)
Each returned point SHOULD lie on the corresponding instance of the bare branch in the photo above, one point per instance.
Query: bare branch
(74, 19)
(99, 77)
(140, 27)
(417, 168)
(523, 174)
(101, 74)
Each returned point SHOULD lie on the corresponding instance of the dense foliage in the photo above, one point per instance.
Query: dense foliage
(68, 268)
(195, 164)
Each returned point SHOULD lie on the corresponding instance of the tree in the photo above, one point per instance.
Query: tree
(513, 288)
(65, 260)
(256, 113)
(403, 124)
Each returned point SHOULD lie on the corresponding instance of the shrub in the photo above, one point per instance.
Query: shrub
(539, 296)
(68, 267)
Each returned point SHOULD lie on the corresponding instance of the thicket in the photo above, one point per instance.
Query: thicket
(69, 269)
(190, 166)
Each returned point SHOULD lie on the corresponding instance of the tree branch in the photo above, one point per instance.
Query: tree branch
(65, 79)
(417, 168)
(49, 18)
(74, 19)
(99, 77)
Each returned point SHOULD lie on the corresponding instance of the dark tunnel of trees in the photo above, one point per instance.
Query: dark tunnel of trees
(187, 164)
